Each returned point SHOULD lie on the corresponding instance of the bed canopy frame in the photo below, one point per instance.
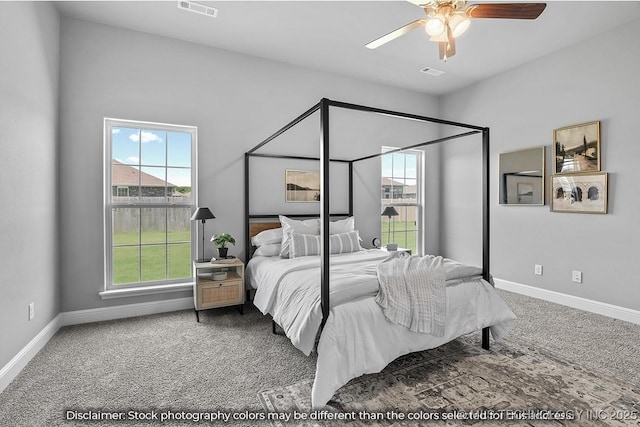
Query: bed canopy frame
(324, 107)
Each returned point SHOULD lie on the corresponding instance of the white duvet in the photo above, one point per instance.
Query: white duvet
(357, 338)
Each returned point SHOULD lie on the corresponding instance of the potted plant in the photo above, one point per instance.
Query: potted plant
(221, 240)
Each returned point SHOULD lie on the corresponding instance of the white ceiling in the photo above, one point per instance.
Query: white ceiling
(330, 35)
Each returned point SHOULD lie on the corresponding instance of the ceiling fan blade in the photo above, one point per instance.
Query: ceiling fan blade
(506, 10)
(395, 34)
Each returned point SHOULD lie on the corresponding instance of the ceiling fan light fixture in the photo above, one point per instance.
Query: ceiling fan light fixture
(458, 25)
(448, 19)
(435, 26)
(441, 38)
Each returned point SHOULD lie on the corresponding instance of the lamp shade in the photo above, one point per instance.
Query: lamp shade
(202, 214)
(390, 211)
(435, 26)
(458, 25)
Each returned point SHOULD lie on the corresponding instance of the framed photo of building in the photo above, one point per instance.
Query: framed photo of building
(302, 186)
(579, 193)
(577, 148)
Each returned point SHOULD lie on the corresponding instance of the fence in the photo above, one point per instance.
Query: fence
(405, 213)
(132, 220)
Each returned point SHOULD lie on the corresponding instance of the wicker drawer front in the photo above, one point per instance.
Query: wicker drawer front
(221, 294)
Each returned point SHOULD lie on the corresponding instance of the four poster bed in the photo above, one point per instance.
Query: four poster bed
(350, 317)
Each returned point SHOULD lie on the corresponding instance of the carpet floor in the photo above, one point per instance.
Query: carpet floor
(167, 362)
(459, 383)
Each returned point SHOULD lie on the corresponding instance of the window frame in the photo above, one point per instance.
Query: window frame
(137, 288)
(419, 200)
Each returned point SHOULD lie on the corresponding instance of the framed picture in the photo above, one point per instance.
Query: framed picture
(580, 193)
(577, 148)
(302, 186)
(525, 193)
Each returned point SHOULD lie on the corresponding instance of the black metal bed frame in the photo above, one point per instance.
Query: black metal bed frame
(325, 159)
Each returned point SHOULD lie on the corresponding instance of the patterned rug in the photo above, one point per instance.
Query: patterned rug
(462, 384)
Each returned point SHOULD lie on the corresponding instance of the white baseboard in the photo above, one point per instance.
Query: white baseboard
(15, 365)
(580, 303)
(20, 360)
(122, 311)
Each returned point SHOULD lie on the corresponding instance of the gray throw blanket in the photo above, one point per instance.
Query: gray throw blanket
(413, 292)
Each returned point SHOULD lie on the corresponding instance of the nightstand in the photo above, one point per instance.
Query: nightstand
(407, 251)
(215, 292)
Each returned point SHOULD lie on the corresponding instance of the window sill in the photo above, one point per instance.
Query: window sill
(145, 290)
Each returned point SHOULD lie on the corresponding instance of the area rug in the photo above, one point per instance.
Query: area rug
(462, 384)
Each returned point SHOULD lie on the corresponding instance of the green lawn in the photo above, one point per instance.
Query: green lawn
(400, 237)
(150, 261)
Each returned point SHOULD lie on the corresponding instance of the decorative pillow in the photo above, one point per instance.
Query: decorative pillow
(342, 226)
(267, 237)
(269, 249)
(289, 226)
(345, 242)
(306, 245)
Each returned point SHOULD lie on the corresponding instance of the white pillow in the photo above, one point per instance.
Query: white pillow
(266, 237)
(308, 226)
(269, 249)
(306, 245)
(342, 226)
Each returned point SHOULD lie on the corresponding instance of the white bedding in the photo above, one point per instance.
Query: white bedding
(289, 289)
(357, 338)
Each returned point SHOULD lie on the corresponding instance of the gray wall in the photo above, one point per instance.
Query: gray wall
(235, 100)
(593, 80)
(28, 171)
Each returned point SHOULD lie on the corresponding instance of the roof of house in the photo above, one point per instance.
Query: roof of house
(125, 175)
(389, 181)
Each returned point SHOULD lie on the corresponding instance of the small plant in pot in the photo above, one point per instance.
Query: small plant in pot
(221, 240)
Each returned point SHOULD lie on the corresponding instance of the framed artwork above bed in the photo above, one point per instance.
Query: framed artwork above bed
(302, 186)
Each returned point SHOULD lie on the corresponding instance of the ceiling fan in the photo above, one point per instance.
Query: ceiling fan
(448, 19)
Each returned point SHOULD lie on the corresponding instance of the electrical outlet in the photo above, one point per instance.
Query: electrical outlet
(538, 270)
(32, 311)
(577, 276)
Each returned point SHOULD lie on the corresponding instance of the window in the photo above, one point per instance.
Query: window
(400, 189)
(123, 191)
(150, 193)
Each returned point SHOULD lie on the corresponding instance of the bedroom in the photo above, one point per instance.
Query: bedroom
(67, 74)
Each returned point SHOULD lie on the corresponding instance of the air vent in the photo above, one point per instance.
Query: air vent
(198, 8)
(432, 71)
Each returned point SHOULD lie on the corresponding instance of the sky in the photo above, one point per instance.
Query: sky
(153, 150)
(400, 167)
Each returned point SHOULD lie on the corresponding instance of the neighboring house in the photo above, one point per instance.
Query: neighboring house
(392, 189)
(410, 192)
(129, 181)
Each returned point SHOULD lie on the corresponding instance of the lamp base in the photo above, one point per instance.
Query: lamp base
(202, 260)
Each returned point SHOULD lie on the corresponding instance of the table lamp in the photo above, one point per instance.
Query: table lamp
(389, 211)
(202, 214)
